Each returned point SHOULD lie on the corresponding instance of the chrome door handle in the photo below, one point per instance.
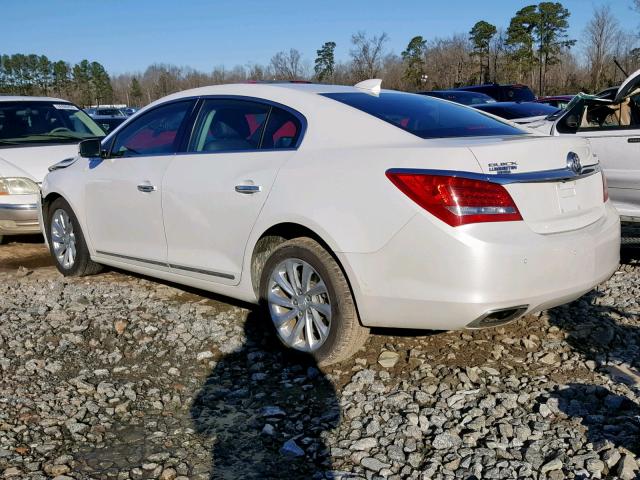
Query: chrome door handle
(146, 188)
(247, 189)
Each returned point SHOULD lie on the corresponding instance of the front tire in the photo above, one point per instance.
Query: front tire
(66, 242)
(310, 302)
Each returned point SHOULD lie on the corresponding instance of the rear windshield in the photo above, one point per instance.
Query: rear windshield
(518, 110)
(424, 116)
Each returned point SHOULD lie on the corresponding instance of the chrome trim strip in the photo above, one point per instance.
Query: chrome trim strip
(164, 264)
(135, 259)
(203, 272)
(18, 206)
(543, 176)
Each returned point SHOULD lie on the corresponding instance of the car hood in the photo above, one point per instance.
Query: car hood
(33, 162)
(628, 87)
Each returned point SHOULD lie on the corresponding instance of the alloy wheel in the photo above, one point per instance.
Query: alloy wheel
(63, 239)
(299, 304)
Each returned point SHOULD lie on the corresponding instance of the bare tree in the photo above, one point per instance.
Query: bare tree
(600, 35)
(287, 65)
(367, 55)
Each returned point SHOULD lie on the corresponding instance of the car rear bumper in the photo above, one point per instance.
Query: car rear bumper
(443, 278)
(19, 218)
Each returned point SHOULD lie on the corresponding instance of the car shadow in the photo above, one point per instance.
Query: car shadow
(607, 336)
(265, 409)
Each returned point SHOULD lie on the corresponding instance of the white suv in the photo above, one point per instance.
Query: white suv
(35, 132)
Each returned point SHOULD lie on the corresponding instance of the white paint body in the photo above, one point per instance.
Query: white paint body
(406, 267)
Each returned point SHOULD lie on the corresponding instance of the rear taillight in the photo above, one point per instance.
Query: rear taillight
(605, 188)
(457, 201)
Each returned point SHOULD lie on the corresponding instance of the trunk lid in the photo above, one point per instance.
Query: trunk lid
(550, 206)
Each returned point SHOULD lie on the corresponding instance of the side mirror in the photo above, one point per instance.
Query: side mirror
(90, 148)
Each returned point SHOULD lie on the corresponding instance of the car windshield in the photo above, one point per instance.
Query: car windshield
(40, 122)
(424, 116)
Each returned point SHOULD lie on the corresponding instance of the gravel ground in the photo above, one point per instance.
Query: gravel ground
(118, 376)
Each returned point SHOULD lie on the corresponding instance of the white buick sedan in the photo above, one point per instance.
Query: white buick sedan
(338, 208)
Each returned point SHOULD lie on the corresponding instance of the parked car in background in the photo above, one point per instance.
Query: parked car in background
(107, 123)
(130, 111)
(106, 112)
(460, 96)
(35, 132)
(503, 93)
(558, 101)
(517, 112)
(339, 208)
(611, 123)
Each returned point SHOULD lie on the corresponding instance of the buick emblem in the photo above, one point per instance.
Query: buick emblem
(573, 163)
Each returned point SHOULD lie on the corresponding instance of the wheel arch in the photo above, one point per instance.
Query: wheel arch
(279, 233)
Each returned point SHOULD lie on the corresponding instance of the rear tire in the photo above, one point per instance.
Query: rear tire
(66, 242)
(310, 303)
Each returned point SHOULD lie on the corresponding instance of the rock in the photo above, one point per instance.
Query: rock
(205, 355)
(549, 359)
(388, 359)
(273, 411)
(120, 326)
(373, 464)
(555, 464)
(364, 444)
(168, 474)
(627, 468)
(291, 449)
(268, 430)
(446, 440)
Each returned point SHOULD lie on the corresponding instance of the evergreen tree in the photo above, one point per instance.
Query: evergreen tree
(480, 36)
(414, 61)
(135, 92)
(325, 61)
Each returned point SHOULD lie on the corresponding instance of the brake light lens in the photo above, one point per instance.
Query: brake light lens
(605, 188)
(457, 201)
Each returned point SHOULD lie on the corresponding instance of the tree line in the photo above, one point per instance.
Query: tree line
(534, 48)
(85, 82)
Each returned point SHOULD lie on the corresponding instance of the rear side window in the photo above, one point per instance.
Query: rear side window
(154, 133)
(229, 125)
(425, 117)
(283, 130)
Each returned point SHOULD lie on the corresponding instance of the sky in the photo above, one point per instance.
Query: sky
(129, 35)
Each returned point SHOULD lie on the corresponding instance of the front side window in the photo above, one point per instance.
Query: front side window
(38, 123)
(424, 116)
(154, 133)
(229, 125)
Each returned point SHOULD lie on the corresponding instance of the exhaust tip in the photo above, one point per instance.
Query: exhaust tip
(498, 316)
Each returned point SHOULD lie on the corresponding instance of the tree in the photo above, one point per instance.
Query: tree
(551, 34)
(101, 84)
(61, 78)
(135, 92)
(414, 61)
(82, 82)
(287, 65)
(325, 61)
(480, 36)
(600, 35)
(520, 40)
(366, 55)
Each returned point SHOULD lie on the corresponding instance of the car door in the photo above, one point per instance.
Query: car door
(615, 138)
(123, 191)
(213, 194)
